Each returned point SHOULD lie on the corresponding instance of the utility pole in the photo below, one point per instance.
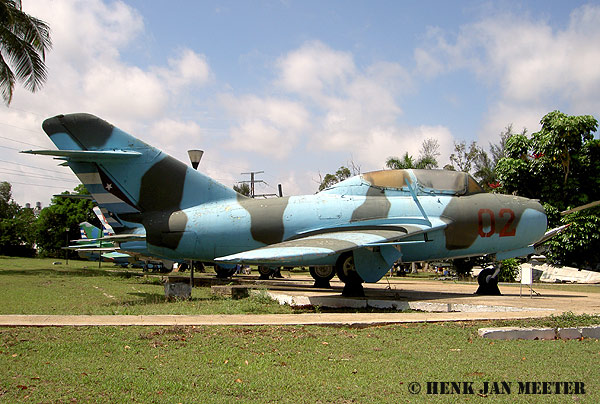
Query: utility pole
(252, 181)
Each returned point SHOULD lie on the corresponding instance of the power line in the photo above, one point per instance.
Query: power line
(35, 185)
(33, 175)
(18, 141)
(12, 148)
(37, 168)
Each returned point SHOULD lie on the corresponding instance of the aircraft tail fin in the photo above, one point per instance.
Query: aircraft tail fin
(89, 231)
(124, 174)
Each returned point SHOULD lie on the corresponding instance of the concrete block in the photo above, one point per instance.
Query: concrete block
(511, 333)
(232, 291)
(569, 333)
(591, 332)
(178, 290)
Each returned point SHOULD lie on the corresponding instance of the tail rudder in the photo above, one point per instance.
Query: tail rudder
(124, 174)
(89, 231)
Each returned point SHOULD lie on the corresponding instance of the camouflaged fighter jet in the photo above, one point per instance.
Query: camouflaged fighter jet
(358, 227)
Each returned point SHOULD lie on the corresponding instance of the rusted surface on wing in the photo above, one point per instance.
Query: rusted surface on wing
(266, 218)
(375, 206)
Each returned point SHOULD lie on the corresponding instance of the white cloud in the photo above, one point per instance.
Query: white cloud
(87, 73)
(265, 125)
(315, 70)
(188, 69)
(534, 66)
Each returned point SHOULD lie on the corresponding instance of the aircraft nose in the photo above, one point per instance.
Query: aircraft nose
(534, 220)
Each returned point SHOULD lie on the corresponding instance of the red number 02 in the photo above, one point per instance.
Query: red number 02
(506, 230)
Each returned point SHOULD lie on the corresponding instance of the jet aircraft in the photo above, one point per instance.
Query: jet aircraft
(358, 227)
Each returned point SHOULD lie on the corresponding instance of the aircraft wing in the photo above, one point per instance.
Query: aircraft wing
(311, 247)
(93, 249)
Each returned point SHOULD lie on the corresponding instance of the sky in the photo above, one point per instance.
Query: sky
(299, 88)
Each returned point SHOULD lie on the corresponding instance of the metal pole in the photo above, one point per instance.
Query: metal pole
(66, 250)
(191, 273)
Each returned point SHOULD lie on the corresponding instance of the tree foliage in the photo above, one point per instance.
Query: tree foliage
(24, 41)
(17, 225)
(430, 151)
(330, 179)
(559, 165)
(61, 217)
(242, 188)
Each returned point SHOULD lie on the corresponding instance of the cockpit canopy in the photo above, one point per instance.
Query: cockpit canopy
(437, 182)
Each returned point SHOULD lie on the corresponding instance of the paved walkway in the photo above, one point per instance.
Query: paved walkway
(351, 319)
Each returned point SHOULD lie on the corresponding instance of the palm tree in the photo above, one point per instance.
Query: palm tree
(24, 41)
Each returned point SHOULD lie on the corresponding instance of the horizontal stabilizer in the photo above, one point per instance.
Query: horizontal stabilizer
(90, 249)
(87, 155)
(121, 238)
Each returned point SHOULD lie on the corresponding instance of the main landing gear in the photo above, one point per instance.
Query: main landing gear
(322, 275)
(488, 281)
(347, 273)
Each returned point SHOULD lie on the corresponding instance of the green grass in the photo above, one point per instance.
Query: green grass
(279, 364)
(304, 364)
(36, 286)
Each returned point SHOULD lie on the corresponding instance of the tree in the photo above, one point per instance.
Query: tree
(24, 41)
(243, 188)
(430, 151)
(17, 233)
(395, 163)
(63, 215)
(427, 157)
(464, 158)
(559, 165)
(330, 179)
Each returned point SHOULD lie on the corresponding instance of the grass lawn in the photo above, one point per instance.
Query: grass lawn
(301, 364)
(36, 286)
(281, 364)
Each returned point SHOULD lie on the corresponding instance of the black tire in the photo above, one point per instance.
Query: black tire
(346, 271)
(183, 267)
(322, 273)
(488, 284)
(223, 273)
(485, 276)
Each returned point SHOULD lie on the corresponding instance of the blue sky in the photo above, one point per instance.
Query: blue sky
(299, 88)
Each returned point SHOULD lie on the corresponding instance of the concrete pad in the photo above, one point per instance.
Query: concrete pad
(511, 333)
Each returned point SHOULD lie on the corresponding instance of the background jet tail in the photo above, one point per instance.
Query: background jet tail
(89, 231)
(124, 174)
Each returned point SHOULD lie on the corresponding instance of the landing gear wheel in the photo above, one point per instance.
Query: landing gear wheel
(183, 267)
(488, 282)
(223, 273)
(265, 272)
(346, 271)
(322, 275)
